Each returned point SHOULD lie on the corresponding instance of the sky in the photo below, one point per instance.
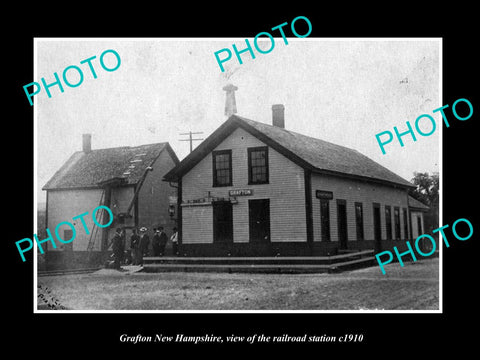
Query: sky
(340, 90)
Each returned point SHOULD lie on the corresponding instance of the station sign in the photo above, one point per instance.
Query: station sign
(240, 192)
(322, 194)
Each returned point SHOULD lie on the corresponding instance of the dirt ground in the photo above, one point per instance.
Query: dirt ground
(412, 287)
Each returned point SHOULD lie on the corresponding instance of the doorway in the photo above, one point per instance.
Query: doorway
(342, 223)
(222, 222)
(377, 228)
(259, 220)
(419, 226)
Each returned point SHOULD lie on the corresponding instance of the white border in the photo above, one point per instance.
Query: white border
(35, 143)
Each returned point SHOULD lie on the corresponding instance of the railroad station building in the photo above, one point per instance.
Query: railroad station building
(257, 189)
(128, 180)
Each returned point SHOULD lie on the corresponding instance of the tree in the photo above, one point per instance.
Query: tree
(427, 193)
(427, 188)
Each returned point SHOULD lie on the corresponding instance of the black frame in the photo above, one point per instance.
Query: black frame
(214, 167)
(256, 149)
(359, 221)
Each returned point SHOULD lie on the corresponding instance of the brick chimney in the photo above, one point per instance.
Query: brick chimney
(278, 115)
(86, 143)
(230, 104)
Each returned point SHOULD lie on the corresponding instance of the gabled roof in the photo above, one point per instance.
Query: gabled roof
(416, 205)
(310, 153)
(124, 165)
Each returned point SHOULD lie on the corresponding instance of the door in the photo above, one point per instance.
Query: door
(222, 222)
(325, 219)
(259, 220)
(419, 226)
(342, 223)
(377, 229)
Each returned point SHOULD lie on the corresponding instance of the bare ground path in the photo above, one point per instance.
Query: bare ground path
(412, 287)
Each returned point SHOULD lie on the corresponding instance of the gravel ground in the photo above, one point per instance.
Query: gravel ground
(413, 287)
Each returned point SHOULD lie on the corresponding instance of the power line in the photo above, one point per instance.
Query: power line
(190, 138)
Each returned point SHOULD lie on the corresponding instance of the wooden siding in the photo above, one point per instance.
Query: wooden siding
(285, 191)
(153, 197)
(356, 191)
(121, 198)
(198, 226)
(416, 218)
(63, 205)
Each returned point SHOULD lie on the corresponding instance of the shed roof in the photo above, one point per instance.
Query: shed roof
(93, 169)
(416, 205)
(311, 153)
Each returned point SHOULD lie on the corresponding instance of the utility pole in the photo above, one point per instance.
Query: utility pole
(190, 138)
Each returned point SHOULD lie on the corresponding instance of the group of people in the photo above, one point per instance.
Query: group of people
(140, 245)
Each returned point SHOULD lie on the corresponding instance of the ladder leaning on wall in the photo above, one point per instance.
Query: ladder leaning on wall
(94, 232)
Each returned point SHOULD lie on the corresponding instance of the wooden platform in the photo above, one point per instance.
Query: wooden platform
(292, 264)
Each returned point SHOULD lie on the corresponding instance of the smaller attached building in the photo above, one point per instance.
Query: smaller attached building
(128, 180)
(417, 209)
(253, 189)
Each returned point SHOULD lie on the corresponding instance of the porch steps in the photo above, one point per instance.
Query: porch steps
(293, 264)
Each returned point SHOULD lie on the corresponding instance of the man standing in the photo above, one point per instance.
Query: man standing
(144, 243)
(122, 247)
(118, 248)
(156, 242)
(134, 246)
(163, 240)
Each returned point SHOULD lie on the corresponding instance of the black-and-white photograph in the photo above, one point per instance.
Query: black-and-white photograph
(231, 175)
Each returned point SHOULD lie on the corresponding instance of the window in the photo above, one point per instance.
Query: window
(258, 165)
(325, 219)
(222, 168)
(359, 220)
(388, 221)
(377, 226)
(396, 219)
(405, 224)
(342, 223)
(419, 225)
(67, 235)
